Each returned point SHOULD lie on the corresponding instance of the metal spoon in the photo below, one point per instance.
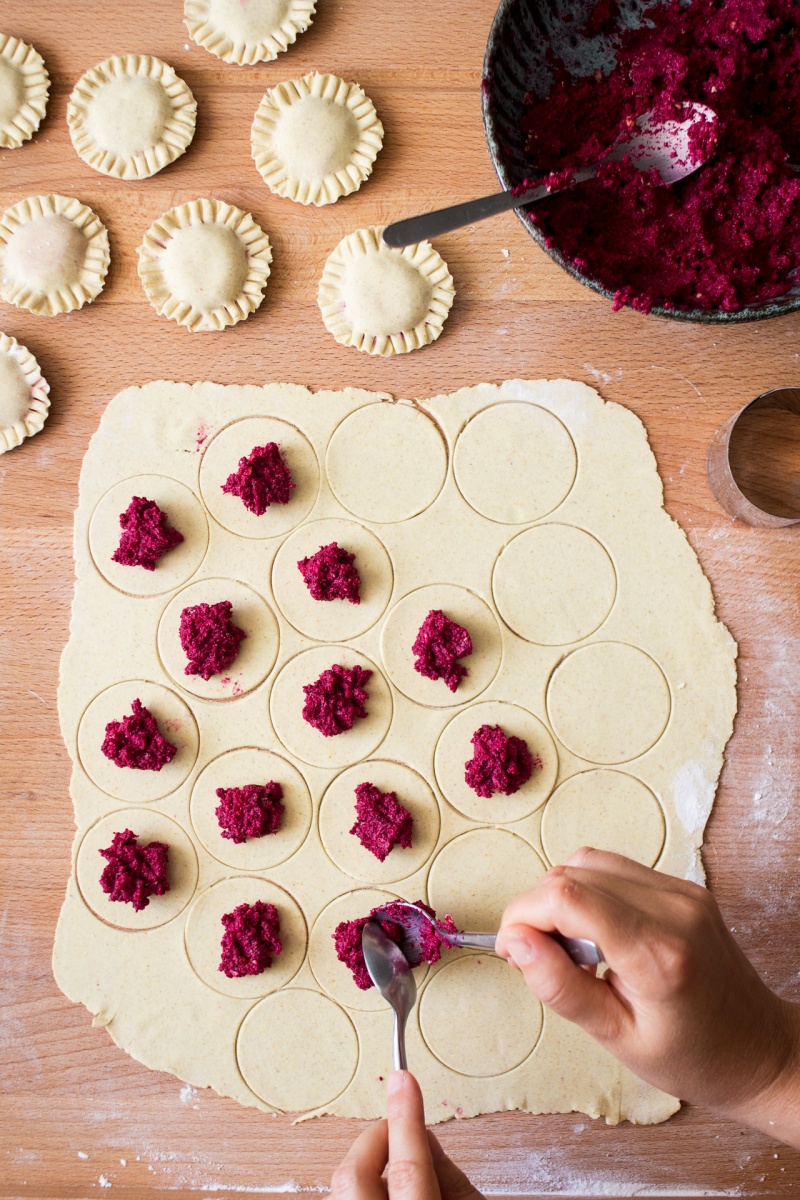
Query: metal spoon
(389, 970)
(581, 950)
(654, 144)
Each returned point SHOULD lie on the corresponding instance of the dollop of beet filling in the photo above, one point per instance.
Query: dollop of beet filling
(382, 821)
(146, 535)
(251, 811)
(262, 479)
(137, 742)
(330, 574)
(500, 763)
(251, 939)
(438, 644)
(134, 873)
(209, 638)
(728, 235)
(335, 701)
(347, 938)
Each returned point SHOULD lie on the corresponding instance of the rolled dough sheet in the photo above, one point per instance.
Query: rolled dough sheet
(617, 673)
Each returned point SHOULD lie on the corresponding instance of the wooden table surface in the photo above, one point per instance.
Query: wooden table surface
(76, 1114)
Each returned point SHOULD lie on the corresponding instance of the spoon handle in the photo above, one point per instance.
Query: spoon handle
(399, 1059)
(581, 950)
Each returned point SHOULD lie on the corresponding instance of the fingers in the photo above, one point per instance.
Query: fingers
(410, 1174)
(617, 866)
(359, 1175)
(453, 1183)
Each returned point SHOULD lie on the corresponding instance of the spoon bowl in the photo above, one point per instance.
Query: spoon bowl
(392, 975)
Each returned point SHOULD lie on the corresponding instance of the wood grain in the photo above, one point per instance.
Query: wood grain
(73, 1107)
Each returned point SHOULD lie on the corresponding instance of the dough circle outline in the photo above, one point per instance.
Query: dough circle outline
(475, 874)
(608, 702)
(149, 825)
(184, 512)
(607, 809)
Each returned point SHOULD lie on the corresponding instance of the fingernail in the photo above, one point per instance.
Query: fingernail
(397, 1081)
(520, 950)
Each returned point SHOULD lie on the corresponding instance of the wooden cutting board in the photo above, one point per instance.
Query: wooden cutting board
(76, 1114)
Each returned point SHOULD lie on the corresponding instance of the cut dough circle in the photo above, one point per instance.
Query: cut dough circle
(24, 89)
(337, 815)
(184, 512)
(608, 810)
(205, 265)
(386, 462)
(24, 393)
(608, 702)
(308, 744)
(332, 620)
(403, 624)
(238, 768)
(458, 1016)
(554, 584)
(454, 750)
(246, 33)
(175, 721)
(515, 462)
(221, 459)
(474, 876)
(257, 653)
(149, 826)
(283, 1064)
(204, 932)
(54, 255)
(384, 301)
(315, 139)
(131, 116)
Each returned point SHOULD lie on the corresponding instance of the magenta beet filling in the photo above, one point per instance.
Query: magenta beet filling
(499, 763)
(382, 821)
(134, 873)
(146, 535)
(251, 939)
(137, 742)
(726, 236)
(330, 574)
(347, 939)
(439, 643)
(209, 638)
(261, 479)
(251, 811)
(335, 701)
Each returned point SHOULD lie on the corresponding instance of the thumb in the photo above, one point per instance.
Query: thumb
(453, 1183)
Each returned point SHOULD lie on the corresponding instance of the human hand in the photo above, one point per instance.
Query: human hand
(416, 1166)
(679, 1004)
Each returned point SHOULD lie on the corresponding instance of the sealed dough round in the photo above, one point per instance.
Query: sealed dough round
(454, 750)
(175, 721)
(403, 624)
(257, 652)
(204, 932)
(554, 584)
(337, 816)
(24, 88)
(332, 620)
(24, 393)
(303, 740)
(238, 768)
(184, 513)
(149, 826)
(297, 1050)
(458, 1016)
(608, 702)
(246, 33)
(514, 462)
(608, 810)
(221, 459)
(386, 462)
(474, 876)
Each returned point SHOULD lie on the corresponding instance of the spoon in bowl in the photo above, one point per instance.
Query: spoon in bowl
(666, 146)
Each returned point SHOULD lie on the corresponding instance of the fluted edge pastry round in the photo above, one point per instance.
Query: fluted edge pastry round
(206, 28)
(18, 126)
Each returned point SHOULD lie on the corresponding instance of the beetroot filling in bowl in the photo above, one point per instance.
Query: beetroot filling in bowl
(330, 574)
(500, 763)
(251, 811)
(438, 644)
(134, 873)
(209, 638)
(335, 701)
(137, 742)
(382, 821)
(251, 939)
(347, 939)
(146, 535)
(262, 479)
